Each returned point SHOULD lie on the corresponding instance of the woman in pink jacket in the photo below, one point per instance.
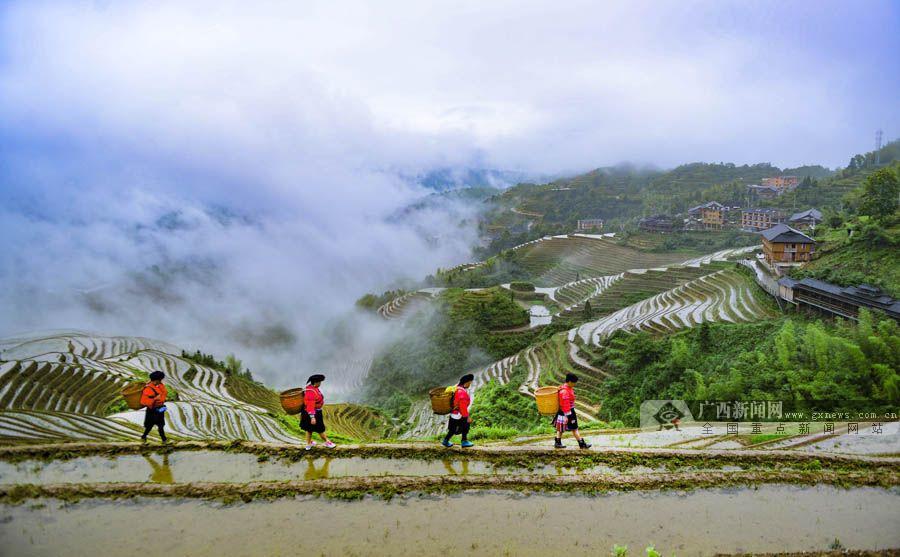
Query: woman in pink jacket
(460, 420)
(566, 419)
(311, 420)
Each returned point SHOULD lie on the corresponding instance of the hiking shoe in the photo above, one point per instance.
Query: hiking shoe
(467, 444)
(446, 443)
(558, 444)
(584, 444)
(311, 445)
(330, 445)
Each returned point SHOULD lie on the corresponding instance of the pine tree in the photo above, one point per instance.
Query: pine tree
(588, 312)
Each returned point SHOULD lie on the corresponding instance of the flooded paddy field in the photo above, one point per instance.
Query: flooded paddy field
(769, 518)
(220, 466)
(188, 463)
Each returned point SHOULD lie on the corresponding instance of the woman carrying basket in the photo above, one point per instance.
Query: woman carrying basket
(566, 419)
(311, 419)
(460, 420)
(153, 398)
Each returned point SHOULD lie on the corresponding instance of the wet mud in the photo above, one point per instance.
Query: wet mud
(766, 519)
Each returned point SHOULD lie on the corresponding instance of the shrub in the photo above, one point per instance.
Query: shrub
(522, 286)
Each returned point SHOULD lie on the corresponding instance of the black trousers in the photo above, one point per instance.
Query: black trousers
(152, 418)
(457, 427)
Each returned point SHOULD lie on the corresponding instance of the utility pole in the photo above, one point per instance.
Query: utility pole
(878, 135)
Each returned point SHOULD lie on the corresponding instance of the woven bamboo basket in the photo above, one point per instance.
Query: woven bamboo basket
(132, 395)
(547, 399)
(441, 400)
(292, 400)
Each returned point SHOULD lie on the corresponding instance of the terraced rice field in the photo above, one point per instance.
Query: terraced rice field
(17, 426)
(405, 305)
(355, 421)
(422, 422)
(721, 255)
(204, 385)
(676, 298)
(60, 386)
(77, 344)
(715, 295)
(633, 286)
(722, 296)
(38, 385)
(498, 371)
(553, 360)
(560, 260)
(574, 294)
(347, 374)
(199, 420)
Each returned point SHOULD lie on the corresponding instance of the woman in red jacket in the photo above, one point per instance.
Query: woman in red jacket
(566, 419)
(153, 398)
(460, 420)
(311, 419)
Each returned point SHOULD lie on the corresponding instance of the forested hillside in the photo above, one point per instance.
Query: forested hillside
(788, 359)
(862, 247)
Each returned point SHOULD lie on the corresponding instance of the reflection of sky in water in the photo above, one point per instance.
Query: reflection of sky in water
(210, 466)
(539, 315)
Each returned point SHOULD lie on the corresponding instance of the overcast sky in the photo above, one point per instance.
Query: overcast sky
(542, 86)
(298, 117)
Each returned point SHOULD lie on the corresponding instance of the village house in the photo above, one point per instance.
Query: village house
(657, 223)
(808, 219)
(756, 220)
(587, 225)
(764, 192)
(836, 300)
(782, 183)
(712, 215)
(784, 246)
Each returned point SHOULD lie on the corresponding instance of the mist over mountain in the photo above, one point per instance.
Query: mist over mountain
(231, 177)
(443, 179)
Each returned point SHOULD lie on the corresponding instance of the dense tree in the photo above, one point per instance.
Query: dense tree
(880, 193)
(789, 359)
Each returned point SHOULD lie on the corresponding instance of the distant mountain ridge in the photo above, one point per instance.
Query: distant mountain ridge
(450, 178)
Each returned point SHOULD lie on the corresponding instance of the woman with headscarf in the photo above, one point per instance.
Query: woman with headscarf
(311, 420)
(153, 398)
(460, 420)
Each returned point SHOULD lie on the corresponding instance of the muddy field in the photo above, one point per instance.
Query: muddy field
(238, 498)
(701, 522)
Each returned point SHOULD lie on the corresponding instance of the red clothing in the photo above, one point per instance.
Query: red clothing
(313, 399)
(153, 396)
(566, 399)
(461, 402)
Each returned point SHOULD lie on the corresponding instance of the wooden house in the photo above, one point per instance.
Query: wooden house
(783, 245)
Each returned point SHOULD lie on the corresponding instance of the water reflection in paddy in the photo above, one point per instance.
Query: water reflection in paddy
(218, 466)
